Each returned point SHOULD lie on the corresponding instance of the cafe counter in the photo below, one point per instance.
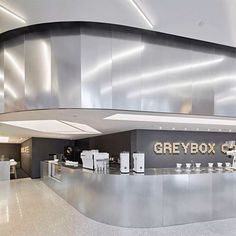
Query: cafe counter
(159, 197)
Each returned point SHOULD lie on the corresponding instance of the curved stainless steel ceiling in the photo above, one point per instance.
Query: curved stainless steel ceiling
(104, 67)
(207, 20)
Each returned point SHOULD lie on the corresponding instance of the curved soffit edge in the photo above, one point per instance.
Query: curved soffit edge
(192, 19)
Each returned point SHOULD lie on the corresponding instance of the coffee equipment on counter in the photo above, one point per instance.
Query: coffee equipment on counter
(231, 152)
(124, 162)
(139, 159)
(95, 160)
(101, 161)
(69, 153)
(53, 156)
(210, 165)
(87, 157)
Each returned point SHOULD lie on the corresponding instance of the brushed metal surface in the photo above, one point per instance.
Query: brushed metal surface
(176, 202)
(38, 71)
(180, 85)
(152, 200)
(14, 74)
(1, 78)
(155, 86)
(104, 68)
(66, 68)
(223, 196)
(96, 68)
(204, 65)
(200, 197)
(4, 170)
(126, 69)
(225, 86)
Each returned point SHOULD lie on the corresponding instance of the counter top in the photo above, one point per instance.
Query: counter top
(156, 171)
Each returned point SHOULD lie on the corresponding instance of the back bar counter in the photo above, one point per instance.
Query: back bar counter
(159, 197)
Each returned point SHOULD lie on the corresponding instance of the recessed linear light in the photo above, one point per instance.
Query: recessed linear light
(140, 11)
(11, 13)
(4, 139)
(54, 126)
(173, 128)
(171, 119)
(83, 127)
(230, 130)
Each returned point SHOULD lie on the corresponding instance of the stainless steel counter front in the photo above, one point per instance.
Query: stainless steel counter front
(4, 170)
(160, 197)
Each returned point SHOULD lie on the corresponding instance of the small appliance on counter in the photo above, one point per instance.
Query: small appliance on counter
(51, 167)
(124, 162)
(72, 163)
(88, 158)
(101, 161)
(139, 159)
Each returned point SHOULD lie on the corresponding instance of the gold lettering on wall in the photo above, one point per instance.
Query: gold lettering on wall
(185, 147)
(167, 148)
(211, 148)
(25, 149)
(194, 148)
(203, 148)
(175, 148)
(158, 148)
(224, 148)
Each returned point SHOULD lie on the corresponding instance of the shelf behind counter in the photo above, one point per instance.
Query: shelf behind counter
(159, 197)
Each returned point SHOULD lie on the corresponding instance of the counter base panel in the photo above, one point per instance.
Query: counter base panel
(147, 201)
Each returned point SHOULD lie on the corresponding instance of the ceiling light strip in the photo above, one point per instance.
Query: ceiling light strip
(171, 119)
(139, 10)
(4, 139)
(63, 122)
(11, 13)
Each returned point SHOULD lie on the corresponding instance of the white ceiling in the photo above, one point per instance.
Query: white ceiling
(207, 20)
(95, 119)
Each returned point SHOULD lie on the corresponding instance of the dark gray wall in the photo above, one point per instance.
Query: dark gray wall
(10, 151)
(42, 147)
(111, 143)
(144, 140)
(39, 150)
(26, 158)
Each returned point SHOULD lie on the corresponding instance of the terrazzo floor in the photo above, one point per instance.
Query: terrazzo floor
(29, 208)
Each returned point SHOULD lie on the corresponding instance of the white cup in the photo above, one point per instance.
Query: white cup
(227, 164)
(210, 165)
(188, 165)
(178, 165)
(219, 164)
(198, 165)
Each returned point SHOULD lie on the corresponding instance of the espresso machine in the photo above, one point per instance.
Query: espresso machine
(139, 160)
(124, 162)
(87, 157)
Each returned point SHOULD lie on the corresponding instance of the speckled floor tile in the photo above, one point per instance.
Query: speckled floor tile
(30, 208)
